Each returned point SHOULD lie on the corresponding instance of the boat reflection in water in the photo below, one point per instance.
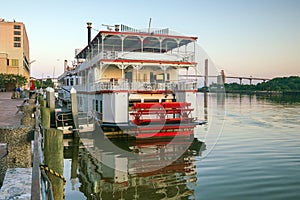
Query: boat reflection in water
(135, 169)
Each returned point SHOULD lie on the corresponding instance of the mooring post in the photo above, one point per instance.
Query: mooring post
(45, 112)
(74, 107)
(54, 160)
(50, 96)
(41, 99)
(75, 157)
(42, 102)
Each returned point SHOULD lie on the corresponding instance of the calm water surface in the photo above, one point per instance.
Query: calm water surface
(251, 150)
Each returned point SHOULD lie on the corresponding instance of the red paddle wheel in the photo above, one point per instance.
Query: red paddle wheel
(166, 119)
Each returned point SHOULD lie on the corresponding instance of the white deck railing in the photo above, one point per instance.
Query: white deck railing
(105, 85)
(188, 56)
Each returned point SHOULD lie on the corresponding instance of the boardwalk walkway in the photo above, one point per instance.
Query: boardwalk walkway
(8, 116)
(8, 109)
(17, 181)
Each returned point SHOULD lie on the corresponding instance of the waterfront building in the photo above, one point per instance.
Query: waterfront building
(14, 48)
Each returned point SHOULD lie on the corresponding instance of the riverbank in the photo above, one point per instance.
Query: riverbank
(257, 92)
(253, 92)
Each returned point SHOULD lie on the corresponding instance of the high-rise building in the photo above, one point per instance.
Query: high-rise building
(14, 49)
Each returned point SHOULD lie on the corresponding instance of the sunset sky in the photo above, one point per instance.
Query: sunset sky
(259, 38)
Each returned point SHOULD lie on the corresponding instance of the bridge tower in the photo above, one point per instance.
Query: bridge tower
(206, 73)
(221, 78)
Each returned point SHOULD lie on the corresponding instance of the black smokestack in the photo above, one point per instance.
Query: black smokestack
(89, 27)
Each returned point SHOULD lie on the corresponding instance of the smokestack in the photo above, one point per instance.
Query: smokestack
(89, 27)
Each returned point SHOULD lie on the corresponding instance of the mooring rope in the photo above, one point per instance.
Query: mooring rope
(51, 171)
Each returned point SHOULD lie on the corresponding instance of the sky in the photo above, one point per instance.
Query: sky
(258, 38)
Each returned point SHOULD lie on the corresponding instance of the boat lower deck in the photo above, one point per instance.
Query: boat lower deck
(150, 131)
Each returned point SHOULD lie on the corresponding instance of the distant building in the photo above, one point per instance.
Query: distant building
(14, 49)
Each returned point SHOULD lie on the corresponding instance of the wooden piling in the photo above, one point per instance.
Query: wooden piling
(74, 107)
(75, 156)
(50, 97)
(45, 112)
(42, 102)
(54, 159)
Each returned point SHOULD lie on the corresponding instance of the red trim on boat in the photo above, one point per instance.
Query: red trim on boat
(165, 127)
(148, 35)
(147, 61)
(163, 134)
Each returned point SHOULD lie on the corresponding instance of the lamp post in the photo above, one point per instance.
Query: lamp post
(53, 73)
(29, 64)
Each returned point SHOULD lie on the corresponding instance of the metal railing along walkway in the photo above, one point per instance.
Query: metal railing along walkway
(41, 187)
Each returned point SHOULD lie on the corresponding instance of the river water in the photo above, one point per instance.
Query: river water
(249, 149)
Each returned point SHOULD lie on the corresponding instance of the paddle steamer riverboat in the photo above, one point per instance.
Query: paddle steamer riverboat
(129, 80)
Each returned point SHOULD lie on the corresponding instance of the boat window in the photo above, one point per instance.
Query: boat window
(151, 100)
(71, 81)
(151, 44)
(68, 82)
(112, 43)
(131, 103)
(128, 76)
(168, 44)
(166, 100)
(100, 106)
(160, 77)
(132, 44)
(152, 78)
(83, 77)
(97, 106)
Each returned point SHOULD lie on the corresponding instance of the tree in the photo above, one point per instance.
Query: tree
(283, 84)
(17, 80)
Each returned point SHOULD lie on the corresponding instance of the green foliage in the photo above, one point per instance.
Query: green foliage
(48, 83)
(19, 80)
(285, 84)
(44, 84)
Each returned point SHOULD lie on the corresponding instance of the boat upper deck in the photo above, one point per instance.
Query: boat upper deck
(128, 59)
(126, 43)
